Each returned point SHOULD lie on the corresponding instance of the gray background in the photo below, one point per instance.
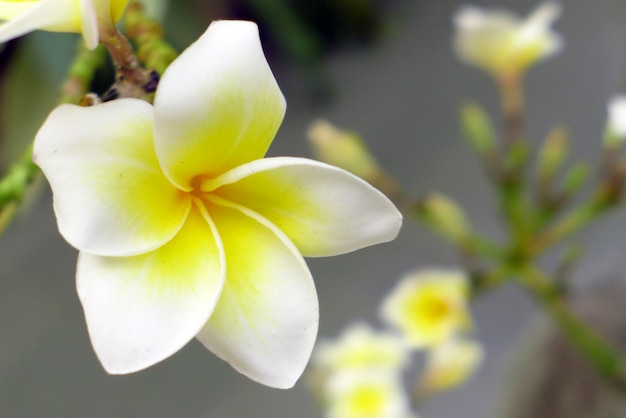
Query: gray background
(402, 95)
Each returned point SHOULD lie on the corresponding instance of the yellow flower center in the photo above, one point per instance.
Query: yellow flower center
(367, 401)
(429, 308)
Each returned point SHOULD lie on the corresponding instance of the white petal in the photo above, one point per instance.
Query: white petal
(142, 309)
(52, 15)
(217, 105)
(265, 322)
(89, 23)
(110, 196)
(617, 115)
(324, 210)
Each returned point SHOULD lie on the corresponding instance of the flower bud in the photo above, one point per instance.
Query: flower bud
(445, 217)
(477, 128)
(348, 151)
(342, 149)
(553, 153)
(575, 178)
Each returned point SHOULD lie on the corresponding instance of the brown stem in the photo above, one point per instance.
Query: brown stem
(131, 79)
(513, 107)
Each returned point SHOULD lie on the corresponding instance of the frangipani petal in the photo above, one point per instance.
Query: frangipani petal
(107, 11)
(110, 196)
(266, 320)
(142, 309)
(89, 21)
(117, 8)
(226, 75)
(52, 15)
(324, 210)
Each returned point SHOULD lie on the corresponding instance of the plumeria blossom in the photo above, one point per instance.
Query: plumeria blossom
(450, 364)
(502, 43)
(361, 347)
(374, 394)
(428, 306)
(184, 229)
(87, 17)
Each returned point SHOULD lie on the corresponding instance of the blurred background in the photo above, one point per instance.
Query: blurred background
(382, 68)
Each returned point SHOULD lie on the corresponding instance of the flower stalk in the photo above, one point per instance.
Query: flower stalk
(609, 362)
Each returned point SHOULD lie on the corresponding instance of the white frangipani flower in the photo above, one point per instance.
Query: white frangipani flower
(184, 229)
(428, 306)
(361, 347)
(367, 394)
(502, 43)
(86, 17)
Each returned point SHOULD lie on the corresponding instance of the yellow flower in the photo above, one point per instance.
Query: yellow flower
(428, 306)
(361, 347)
(87, 17)
(184, 229)
(501, 43)
(374, 394)
(449, 364)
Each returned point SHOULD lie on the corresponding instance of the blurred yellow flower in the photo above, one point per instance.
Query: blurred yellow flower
(367, 395)
(86, 17)
(503, 44)
(450, 364)
(428, 306)
(361, 347)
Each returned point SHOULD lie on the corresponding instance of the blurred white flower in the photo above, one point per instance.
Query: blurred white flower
(502, 43)
(616, 121)
(361, 347)
(428, 306)
(374, 394)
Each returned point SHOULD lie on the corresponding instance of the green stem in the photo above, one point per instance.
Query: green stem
(609, 362)
(512, 96)
(573, 222)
